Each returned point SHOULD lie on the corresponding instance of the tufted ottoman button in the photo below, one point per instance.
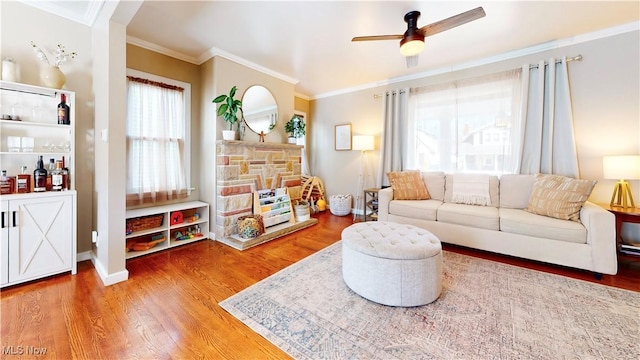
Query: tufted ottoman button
(392, 264)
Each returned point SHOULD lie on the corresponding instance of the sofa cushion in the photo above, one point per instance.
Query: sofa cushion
(485, 217)
(493, 189)
(521, 222)
(408, 185)
(435, 184)
(422, 209)
(515, 190)
(559, 196)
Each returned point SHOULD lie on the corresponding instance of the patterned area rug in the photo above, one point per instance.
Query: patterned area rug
(487, 310)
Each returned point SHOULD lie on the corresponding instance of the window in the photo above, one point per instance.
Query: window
(158, 113)
(466, 126)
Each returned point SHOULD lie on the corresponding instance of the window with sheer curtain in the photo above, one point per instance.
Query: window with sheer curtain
(157, 131)
(468, 125)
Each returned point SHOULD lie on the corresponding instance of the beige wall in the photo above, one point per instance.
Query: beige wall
(219, 75)
(606, 107)
(158, 64)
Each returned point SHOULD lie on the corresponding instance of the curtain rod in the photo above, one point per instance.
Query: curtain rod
(569, 59)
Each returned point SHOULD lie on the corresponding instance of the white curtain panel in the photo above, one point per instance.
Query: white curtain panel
(394, 132)
(548, 140)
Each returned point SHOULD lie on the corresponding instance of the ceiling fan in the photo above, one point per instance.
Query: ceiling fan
(412, 41)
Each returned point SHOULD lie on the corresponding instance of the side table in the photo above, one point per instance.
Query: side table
(630, 215)
(371, 204)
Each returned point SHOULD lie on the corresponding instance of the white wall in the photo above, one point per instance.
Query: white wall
(17, 30)
(606, 106)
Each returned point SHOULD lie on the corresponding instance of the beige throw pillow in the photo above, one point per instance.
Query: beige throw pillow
(408, 185)
(558, 196)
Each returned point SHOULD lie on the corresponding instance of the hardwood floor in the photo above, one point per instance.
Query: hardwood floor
(169, 306)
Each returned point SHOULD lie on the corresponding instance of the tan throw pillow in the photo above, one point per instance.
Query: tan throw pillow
(408, 185)
(558, 196)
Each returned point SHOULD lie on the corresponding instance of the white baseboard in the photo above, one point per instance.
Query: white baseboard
(109, 279)
(84, 256)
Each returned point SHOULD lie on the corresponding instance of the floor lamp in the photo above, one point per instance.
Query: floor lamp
(363, 143)
(622, 168)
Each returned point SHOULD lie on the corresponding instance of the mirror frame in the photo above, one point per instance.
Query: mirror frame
(265, 109)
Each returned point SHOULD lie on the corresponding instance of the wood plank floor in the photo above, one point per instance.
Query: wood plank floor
(169, 306)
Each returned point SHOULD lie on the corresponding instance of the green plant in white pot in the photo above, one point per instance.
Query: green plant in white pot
(295, 128)
(228, 109)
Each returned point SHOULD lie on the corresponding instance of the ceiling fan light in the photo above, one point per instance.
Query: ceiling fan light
(411, 47)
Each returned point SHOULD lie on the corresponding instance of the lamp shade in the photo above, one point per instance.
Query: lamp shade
(621, 167)
(412, 46)
(362, 142)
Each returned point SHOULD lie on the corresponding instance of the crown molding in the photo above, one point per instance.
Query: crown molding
(557, 44)
(86, 17)
(160, 49)
(237, 59)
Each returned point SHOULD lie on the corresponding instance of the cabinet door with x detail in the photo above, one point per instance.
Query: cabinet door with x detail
(40, 237)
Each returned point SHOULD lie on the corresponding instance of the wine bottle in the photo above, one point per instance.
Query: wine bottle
(66, 178)
(57, 182)
(40, 176)
(63, 111)
(50, 167)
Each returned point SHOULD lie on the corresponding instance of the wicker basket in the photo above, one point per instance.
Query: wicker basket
(340, 204)
(144, 223)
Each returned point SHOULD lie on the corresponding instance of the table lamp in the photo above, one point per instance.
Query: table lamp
(622, 168)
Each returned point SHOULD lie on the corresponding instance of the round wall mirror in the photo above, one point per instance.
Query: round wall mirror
(259, 109)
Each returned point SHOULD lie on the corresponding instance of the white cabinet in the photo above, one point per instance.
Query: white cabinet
(38, 232)
(38, 236)
(161, 227)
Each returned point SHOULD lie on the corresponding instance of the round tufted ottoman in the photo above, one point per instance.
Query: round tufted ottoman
(392, 264)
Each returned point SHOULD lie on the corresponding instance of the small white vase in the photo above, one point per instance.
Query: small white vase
(293, 140)
(52, 77)
(228, 134)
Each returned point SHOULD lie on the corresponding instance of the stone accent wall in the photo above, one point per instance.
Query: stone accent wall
(244, 167)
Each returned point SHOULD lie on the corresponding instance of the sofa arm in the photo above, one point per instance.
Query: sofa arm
(601, 235)
(384, 198)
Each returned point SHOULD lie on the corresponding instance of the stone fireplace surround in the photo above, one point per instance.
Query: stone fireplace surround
(243, 167)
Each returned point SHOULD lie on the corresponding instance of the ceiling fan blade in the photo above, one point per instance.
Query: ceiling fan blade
(377, 37)
(450, 23)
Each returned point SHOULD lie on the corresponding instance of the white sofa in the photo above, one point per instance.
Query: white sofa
(505, 227)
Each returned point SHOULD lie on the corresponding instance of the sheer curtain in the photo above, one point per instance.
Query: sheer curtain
(469, 125)
(155, 142)
(394, 132)
(548, 140)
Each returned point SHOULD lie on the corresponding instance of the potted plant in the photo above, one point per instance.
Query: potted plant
(228, 109)
(295, 128)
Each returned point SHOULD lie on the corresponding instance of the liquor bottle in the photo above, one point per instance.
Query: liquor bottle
(65, 173)
(40, 177)
(57, 181)
(50, 167)
(6, 183)
(23, 181)
(63, 111)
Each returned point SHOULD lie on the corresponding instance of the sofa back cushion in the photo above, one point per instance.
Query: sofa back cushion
(435, 184)
(515, 190)
(494, 192)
